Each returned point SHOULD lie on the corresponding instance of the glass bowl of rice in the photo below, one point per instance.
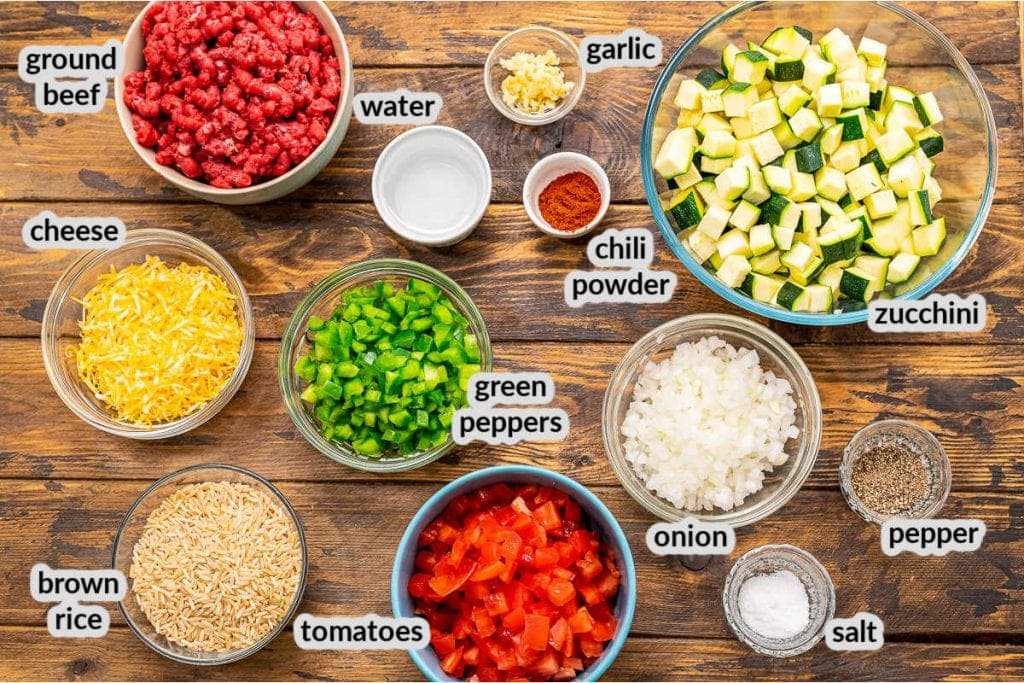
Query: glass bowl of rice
(216, 564)
(678, 425)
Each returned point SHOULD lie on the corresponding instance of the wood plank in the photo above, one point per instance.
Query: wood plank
(283, 249)
(641, 659)
(353, 529)
(605, 125)
(463, 33)
(970, 397)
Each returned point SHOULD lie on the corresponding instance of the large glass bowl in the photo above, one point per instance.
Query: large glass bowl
(775, 355)
(321, 302)
(132, 528)
(920, 57)
(64, 311)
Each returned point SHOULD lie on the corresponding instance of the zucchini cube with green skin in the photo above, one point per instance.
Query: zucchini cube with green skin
(809, 158)
(744, 216)
(928, 239)
(897, 93)
(701, 245)
(762, 287)
(830, 100)
(750, 67)
(875, 76)
(788, 295)
(803, 187)
(761, 240)
(902, 267)
(715, 166)
(872, 51)
(788, 69)
(893, 145)
(877, 267)
(729, 59)
(712, 121)
(810, 214)
(786, 41)
(733, 182)
(792, 99)
(687, 208)
(929, 141)
(831, 183)
(815, 298)
(846, 157)
(880, 204)
(766, 147)
(927, 108)
(733, 271)
(764, 115)
(778, 179)
(831, 138)
(864, 181)
(766, 264)
(817, 72)
(855, 94)
(689, 94)
(714, 221)
(841, 244)
(855, 123)
(920, 207)
(708, 77)
(676, 153)
(783, 237)
(734, 242)
(805, 124)
(785, 136)
(903, 115)
(718, 144)
(837, 48)
(905, 175)
(711, 101)
(738, 98)
(857, 285)
(831, 275)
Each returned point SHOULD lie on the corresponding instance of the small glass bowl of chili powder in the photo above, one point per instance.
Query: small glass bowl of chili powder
(566, 194)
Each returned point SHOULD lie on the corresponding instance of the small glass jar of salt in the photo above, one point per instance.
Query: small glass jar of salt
(777, 600)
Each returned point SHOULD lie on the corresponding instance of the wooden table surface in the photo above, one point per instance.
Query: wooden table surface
(65, 486)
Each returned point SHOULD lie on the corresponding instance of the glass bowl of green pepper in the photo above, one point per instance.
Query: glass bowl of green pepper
(376, 360)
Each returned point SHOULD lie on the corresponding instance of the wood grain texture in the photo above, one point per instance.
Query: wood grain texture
(641, 659)
(64, 486)
(281, 250)
(605, 125)
(461, 34)
(352, 530)
(970, 397)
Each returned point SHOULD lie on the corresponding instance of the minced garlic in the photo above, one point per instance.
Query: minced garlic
(157, 343)
(535, 83)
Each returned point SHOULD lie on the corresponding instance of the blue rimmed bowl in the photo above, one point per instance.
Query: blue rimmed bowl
(919, 56)
(600, 518)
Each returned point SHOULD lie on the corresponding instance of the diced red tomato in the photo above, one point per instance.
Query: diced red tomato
(514, 586)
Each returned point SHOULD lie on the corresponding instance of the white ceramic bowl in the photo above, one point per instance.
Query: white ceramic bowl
(432, 185)
(275, 187)
(555, 166)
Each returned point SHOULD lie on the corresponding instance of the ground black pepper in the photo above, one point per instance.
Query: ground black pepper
(890, 479)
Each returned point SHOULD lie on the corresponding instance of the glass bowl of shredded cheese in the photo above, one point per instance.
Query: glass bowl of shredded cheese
(148, 340)
(533, 75)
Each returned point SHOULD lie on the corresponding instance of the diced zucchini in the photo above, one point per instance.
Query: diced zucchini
(837, 48)
(903, 116)
(761, 240)
(831, 138)
(783, 237)
(718, 144)
(930, 141)
(778, 179)
(817, 71)
(831, 275)
(815, 298)
(714, 221)
(766, 264)
(765, 115)
(714, 166)
(708, 77)
(905, 175)
(872, 50)
(784, 134)
(920, 207)
(810, 215)
(873, 157)
(803, 187)
(927, 108)
(864, 181)
(894, 145)
(711, 100)
(761, 287)
(805, 124)
(786, 41)
(745, 215)
(846, 157)
(734, 242)
(734, 270)
(792, 99)
(733, 182)
(857, 285)
(712, 121)
(738, 98)
(676, 153)
(902, 267)
(830, 100)
(687, 208)
(766, 148)
(809, 157)
(787, 69)
(928, 239)
(880, 204)
(831, 183)
(855, 123)
(689, 94)
(788, 295)
(701, 245)
(842, 243)
(877, 267)
(750, 67)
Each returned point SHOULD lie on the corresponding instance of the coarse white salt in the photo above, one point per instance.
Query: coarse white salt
(706, 424)
(775, 605)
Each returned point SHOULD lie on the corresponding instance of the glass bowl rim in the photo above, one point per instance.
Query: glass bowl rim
(560, 110)
(710, 324)
(783, 550)
(798, 317)
(61, 294)
(938, 454)
(299, 591)
(293, 331)
(467, 482)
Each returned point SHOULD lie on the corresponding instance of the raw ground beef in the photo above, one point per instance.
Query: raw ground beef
(233, 93)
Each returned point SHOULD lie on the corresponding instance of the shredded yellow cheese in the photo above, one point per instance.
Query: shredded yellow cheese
(535, 83)
(157, 343)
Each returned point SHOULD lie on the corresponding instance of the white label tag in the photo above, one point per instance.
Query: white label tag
(510, 388)
(935, 313)
(862, 633)
(50, 231)
(397, 107)
(931, 536)
(371, 632)
(70, 79)
(509, 426)
(67, 587)
(633, 47)
(691, 536)
(632, 248)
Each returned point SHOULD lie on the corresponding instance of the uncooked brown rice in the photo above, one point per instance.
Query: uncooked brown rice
(217, 566)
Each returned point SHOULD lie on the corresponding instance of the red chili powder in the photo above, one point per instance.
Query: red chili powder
(570, 202)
